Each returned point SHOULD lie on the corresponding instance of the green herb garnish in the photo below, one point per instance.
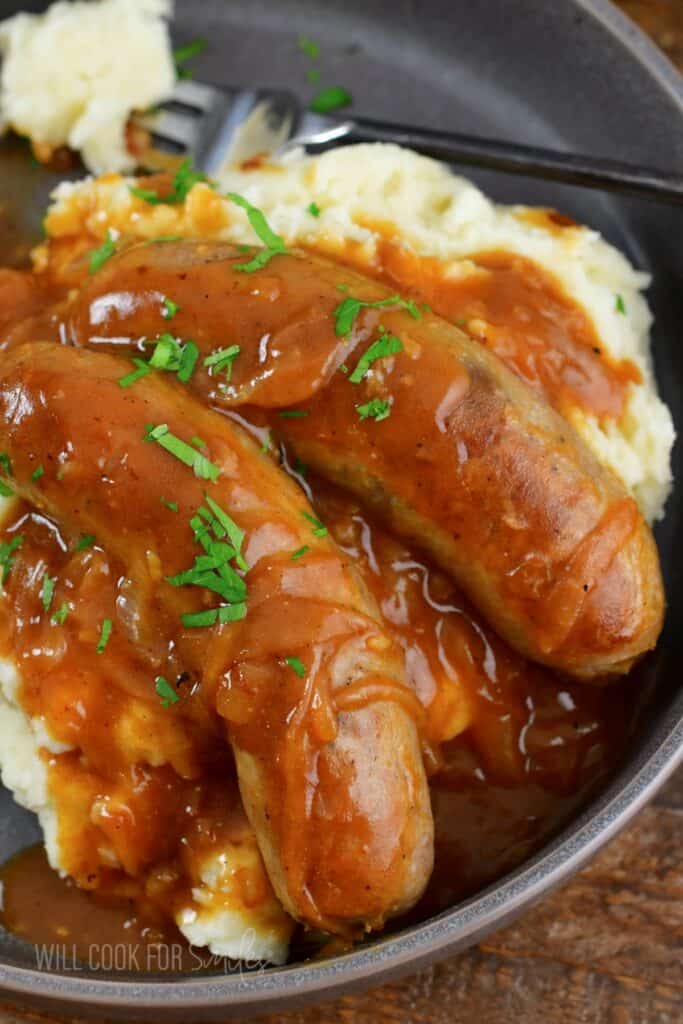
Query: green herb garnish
(174, 356)
(300, 551)
(86, 541)
(332, 98)
(98, 257)
(222, 359)
(5, 463)
(6, 551)
(620, 305)
(172, 506)
(274, 243)
(182, 54)
(105, 633)
(142, 369)
(313, 209)
(5, 491)
(346, 312)
(309, 47)
(165, 692)
(387, 345)
(47, 591)
(170, 309)
(202, 467)
(376, 409)
(184, 180)
(319, 529)
(293, 414)
(297, 666)
(59, 617)
(222, 539)
(227, 613)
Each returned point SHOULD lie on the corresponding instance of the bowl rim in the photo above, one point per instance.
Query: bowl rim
(452, 929)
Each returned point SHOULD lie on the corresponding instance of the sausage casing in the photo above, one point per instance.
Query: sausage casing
(311, 686)
(469, 462)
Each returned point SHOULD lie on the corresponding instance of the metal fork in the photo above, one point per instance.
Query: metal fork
(218, 127)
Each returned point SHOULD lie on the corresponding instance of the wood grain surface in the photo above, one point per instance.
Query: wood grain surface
(605, 949)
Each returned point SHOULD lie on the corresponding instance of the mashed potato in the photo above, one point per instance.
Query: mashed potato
(229, 908)
(366, 193)
(72, 76)
(214, 915)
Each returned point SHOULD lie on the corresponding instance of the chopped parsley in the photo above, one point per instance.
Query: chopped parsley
(300, 552)
(222, 359)
(297, 666)
(6, 551)
(184, 180)
(332, 98)
(175, 356)
(202, 467)
(274, 243)
(182, 54)
(142, 369)
(6, 464)
(313, 209)
(620, 305)
(47, 591)
(226, 613)
(105, 633)
(86, 541)
(171, 355)
(59, 617)
(309, 47)
(37, 473)
(386, 345)
(98, 257)
(319, 529)
(346, 312)
(221, 539)
(5, 491)
(165, 692)
(170, 309)
(376, 409)
(172, 506)
(293, 414)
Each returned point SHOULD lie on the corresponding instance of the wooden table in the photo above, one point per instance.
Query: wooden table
(605, 949)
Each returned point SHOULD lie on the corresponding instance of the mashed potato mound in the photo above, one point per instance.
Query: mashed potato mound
(365, 194)
(72, 76)
(215, 913)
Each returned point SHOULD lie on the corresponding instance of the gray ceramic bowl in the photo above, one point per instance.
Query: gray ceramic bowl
(572, 74)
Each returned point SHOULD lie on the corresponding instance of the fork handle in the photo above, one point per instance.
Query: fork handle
(571, 169)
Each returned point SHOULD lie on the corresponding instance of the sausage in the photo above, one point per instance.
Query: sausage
(466, 460)
(320, 719)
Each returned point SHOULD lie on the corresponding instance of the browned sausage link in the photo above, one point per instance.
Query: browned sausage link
(333, 785)
(470, 462)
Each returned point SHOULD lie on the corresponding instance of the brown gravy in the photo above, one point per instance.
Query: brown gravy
(513, 750)
(532, 749)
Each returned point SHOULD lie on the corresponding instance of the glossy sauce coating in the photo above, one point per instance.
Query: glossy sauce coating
(530, 748)
(308, 681)
(516, 310)
(469, 463)
(525, 749)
